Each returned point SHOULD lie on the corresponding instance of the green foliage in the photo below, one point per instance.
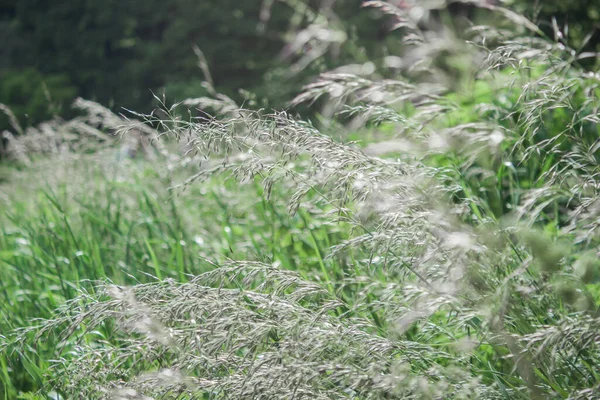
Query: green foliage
(576, 23)
(117, 52)
(33, 97)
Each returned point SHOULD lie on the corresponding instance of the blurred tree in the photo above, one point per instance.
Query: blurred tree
(116, 51)
(34, 97)
(577, 20)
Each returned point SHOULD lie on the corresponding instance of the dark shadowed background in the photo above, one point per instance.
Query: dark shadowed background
(117, 51)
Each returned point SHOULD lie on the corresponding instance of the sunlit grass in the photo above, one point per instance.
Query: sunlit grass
(453, 254)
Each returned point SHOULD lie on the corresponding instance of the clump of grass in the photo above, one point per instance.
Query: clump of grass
(466, 266)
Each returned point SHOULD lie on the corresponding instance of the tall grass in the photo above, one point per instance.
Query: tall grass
(456, 258)
(88, 219)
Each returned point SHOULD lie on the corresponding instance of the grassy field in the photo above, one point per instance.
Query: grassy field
(68, 224)
(452, 253)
